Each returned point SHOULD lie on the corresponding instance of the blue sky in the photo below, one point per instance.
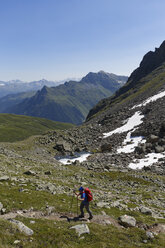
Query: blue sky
(57, 39)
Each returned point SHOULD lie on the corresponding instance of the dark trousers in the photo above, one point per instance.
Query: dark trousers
(86, 205)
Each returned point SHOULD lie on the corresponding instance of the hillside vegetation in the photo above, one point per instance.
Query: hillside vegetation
(16, 127)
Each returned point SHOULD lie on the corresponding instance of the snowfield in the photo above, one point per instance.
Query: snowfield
(149, 159)
(131, 123)
(81, 159)
(151, 99)
(130, 143)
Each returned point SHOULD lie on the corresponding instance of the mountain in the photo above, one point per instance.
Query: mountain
(71, 101)
(147, 79)
(17, 86)
(13, 99)
(118, 153)
(127, 130)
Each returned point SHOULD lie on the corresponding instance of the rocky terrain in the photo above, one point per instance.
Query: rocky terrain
(124, 138)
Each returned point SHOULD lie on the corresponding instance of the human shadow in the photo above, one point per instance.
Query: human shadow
(74, 219)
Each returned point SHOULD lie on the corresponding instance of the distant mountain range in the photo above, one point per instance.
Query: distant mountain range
(17, 86)
(68, 102)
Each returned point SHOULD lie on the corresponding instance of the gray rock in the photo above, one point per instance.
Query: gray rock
(102, 204)
(106, 148)
(153, 138)
(22, 228)
(1, 206)
(127, 221)
(30, 173)
(4, 178)
(150, 235)
(81, 229)
(48, 173)
(145, 210)
(3, 210)
(63, 146)
(159, 149)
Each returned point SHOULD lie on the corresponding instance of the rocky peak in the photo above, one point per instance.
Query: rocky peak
(150, 61)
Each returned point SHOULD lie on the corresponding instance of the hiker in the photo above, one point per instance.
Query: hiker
(85, 198)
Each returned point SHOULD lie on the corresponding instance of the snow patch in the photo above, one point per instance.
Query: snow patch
(81, 159)
(130, 143)
(149, 159)
(131, 123)
(151, 99)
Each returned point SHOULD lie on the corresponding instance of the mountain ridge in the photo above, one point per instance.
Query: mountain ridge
(151, 65)
(71, 101)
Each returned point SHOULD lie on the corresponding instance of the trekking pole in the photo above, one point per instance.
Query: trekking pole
(71, 203)
(77, 206)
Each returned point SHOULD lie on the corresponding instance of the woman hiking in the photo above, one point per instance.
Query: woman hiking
(85, 196)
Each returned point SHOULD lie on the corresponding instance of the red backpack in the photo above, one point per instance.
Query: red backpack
(89, 194)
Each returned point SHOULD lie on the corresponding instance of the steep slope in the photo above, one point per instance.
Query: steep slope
(13, 99)
(143, 82)
(70, 102)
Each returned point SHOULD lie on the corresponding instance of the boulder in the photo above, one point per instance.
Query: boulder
(145, 210)
(153, 138)
(22, 228)
(159, 149)
(102, 204)
(127, 221)
(106, 148)
(81, 229)
(150, 235)
(63, 146)
(4, 178)
(30, 173)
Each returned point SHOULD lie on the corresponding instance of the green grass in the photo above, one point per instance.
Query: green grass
(15, 127)
(52, 234)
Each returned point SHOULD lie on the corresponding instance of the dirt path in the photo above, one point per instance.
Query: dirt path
(98, 219)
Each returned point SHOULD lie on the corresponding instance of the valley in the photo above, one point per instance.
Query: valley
(123, 144)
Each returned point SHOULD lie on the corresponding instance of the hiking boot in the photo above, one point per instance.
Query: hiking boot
(90, 217)
(81, 216)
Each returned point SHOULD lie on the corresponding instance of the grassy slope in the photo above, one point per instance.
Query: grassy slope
(15, 128)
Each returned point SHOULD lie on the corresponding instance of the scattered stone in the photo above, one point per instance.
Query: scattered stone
(16, 242)
(32, 222)
(159, 149)
(150, 235)
(49, 210)
(81, 229)
(145, 210)
(153, 138)
(4, 178)
(145, 241)
(127, 221)
(107, 222)
(3, 211)
(22, 228)
(102, 204)
(106, 148)
(48, 173)
(1, 206)
(30, 173)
